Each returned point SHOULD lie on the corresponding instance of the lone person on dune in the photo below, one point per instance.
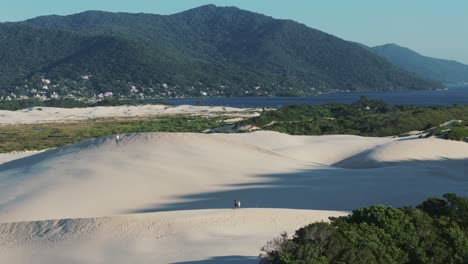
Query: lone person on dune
(236, 204)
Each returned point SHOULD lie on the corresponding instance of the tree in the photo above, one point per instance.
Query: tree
(434, 232)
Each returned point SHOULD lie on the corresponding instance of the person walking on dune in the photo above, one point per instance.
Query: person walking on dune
(236, 204)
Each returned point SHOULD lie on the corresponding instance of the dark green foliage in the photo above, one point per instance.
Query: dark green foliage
(24, 104)
(19, 104)
(65, 103)
(116, 102)
(217, 51)
(456, 208)
(68, 103)
(458, 133)
(433, 232)
(457, 130)
(364, 117)
(445, 71)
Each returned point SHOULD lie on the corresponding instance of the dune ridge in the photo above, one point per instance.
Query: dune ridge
(408, 149)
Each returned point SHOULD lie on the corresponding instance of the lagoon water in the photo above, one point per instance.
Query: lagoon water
(451, 96)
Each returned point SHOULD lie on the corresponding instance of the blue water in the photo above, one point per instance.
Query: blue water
(444, 97)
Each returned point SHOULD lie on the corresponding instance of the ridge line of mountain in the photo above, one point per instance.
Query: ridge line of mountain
(205, 51)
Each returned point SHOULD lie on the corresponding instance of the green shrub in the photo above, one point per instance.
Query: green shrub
(436, 231)
(458, 133)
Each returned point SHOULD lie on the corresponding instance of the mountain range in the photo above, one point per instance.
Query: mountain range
(206, 51)
(445, 71)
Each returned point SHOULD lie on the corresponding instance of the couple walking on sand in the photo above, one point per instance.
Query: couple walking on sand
(237, 204)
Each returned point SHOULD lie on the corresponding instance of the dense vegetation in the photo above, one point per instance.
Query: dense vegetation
(436, 231)
(457, 130)
(445, 71)
(67, 103)
(458, 133)
(207, 51)
(44, 136)
(364, 117)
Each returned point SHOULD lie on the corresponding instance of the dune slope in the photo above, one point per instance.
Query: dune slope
(169, 237)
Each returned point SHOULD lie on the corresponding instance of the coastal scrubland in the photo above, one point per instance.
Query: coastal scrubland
(435, 231)
(363, 117)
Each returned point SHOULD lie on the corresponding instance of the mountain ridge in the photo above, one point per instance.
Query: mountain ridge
(205, 51)
(442, 70)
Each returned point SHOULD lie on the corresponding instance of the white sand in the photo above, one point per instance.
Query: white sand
(167, 237)
(201, 175)
(51, 114)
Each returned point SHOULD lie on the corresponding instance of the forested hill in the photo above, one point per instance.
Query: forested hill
(206, 51)
(445, 71)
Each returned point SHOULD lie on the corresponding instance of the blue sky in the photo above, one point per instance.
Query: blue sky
(432, 27)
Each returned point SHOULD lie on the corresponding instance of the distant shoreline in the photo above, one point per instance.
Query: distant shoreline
(450, 96)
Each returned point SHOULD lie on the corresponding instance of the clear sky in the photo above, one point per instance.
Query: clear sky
(436, 28)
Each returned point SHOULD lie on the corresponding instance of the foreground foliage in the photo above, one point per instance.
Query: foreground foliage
(364, 117)
(436, 231)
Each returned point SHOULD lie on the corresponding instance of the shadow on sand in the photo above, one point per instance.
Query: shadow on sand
(337, 189)
(224, 260)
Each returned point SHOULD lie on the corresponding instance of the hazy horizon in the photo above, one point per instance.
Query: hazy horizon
(428, 27)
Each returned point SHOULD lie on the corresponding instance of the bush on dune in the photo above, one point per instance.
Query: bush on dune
(458, 133)
(436, 231)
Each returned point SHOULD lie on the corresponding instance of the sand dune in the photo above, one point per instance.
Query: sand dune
(410, 149)
(6, 157)
(186, 182)
(51, 114)
(168, 237)
(324, 150)
(137, 172)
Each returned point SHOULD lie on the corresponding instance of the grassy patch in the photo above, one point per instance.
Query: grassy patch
(51, 135)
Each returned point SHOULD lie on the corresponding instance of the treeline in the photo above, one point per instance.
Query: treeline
(68, 103)
(436, 231)
(364, 117)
